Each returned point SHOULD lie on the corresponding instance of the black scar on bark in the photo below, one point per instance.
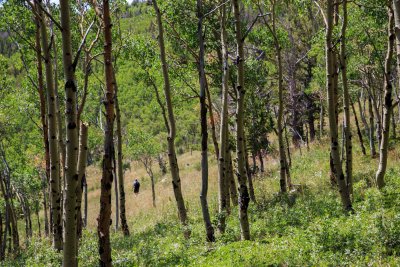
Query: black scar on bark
(71, 125)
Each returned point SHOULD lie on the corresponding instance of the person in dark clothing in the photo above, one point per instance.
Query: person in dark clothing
(136, 186)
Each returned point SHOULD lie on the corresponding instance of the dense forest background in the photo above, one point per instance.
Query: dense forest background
(281, 115)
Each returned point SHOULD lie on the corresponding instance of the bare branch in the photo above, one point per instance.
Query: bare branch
(215, 9)
(49, 15)
(252, 25)
(75, 62)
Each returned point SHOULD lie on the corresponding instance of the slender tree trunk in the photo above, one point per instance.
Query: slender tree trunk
(1, 237)
(249, 173)
(310, 121)
(360, 137)
(7, 220)
(213, 133)
(162, 164)
(55, 196)
(260, 158)
(173, 162)
(60, 136)
(120, 171)
(11, 221)
(244, 198)
(85, 202)
(388, 105)
(396, 9)
(332, 110)
(346, 102)
(203, 122)
(42, 113)
(321, 120)
(153, 187)
(116, 192)
(70, 174)
(147, 162)
(289, 157)
(223, 136)
(394, 135)
(38, 223)
(46, 220)
(230, 177)
(281, 144)
(104, 218)
(363, 117)
(371, 129)
(82, 159)
(253, 158)
(42, 99)
(14, 224)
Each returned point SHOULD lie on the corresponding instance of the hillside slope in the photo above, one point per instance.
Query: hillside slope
(306, 228)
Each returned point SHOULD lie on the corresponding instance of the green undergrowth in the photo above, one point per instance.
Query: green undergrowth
(306, 228)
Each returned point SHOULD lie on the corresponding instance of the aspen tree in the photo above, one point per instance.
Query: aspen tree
(244, 197)
(173, 162)
(387, 105)
(55, 196)
(332, 109)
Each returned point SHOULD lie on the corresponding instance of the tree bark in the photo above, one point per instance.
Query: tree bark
(46, 220)
(360, 137)
(147, 162)
(388, 105)
(203, 123)
(249, 173)
(37, 220)
(332, 110)
(42, 99)
(55, 196)
(82, 159)
(116, 224)
(231, 180)
(260, 158)
(120, 171)
(1, 237)
(85, 202)
(104, 218)
(281, 144)
(70, 173)
(346, 102)
(173, 162)
(244, 198)
(213, 134)
(371, 128)
(223, 136)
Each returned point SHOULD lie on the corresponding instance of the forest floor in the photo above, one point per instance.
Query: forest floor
(308, 228)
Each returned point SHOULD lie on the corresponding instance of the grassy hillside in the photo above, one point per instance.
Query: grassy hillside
(305, 228)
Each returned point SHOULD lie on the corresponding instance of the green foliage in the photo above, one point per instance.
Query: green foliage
(141, 144)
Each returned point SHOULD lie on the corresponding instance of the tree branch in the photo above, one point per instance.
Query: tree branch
(49, 15)
(75, 62)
